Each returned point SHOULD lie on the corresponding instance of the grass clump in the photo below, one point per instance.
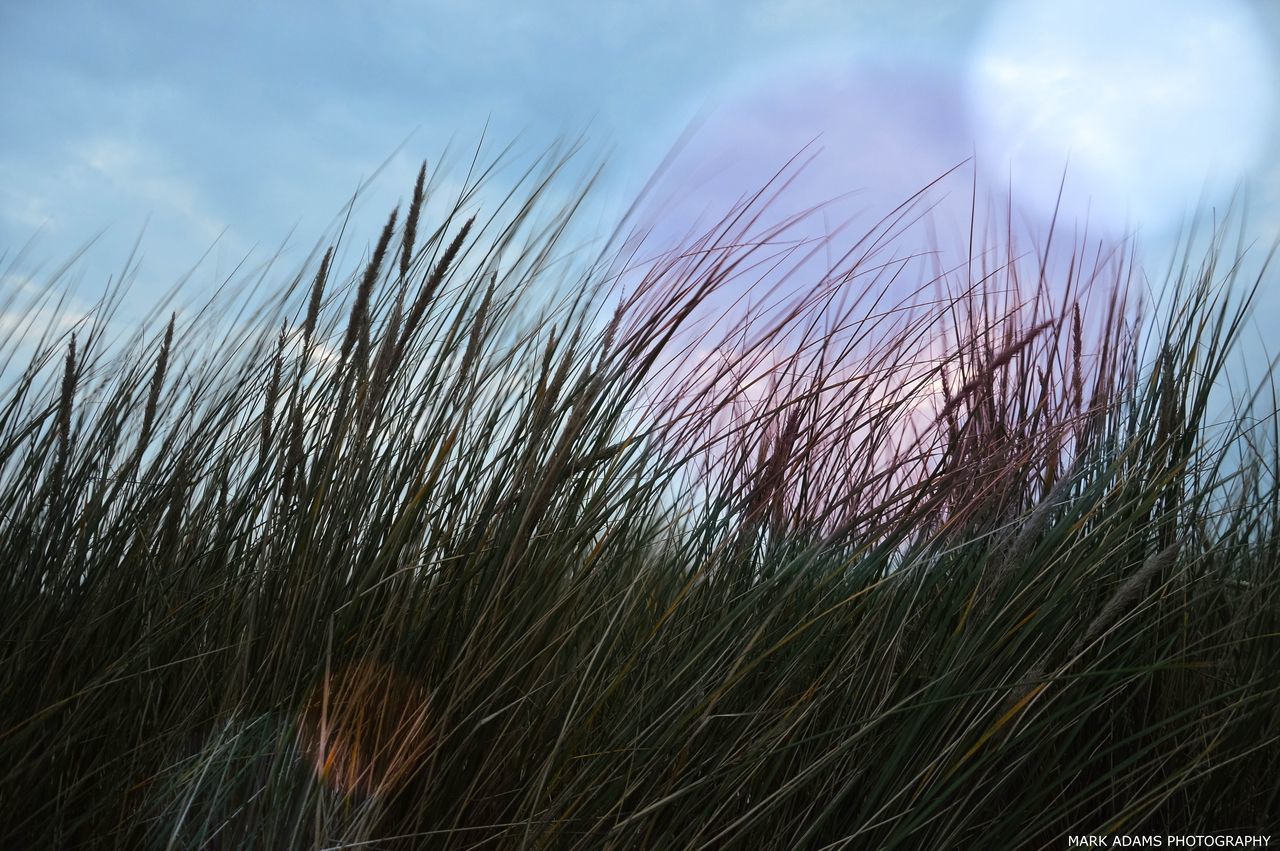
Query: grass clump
(895, 556)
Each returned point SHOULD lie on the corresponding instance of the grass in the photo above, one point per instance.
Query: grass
(894, 555)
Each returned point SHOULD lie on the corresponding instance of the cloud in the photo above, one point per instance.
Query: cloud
(25, 209)
(31, 314)
(137, 170)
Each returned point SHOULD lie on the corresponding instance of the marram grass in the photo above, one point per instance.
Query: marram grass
(421, 556)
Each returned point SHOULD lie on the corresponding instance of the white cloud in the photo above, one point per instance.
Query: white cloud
(25, 209)
(141, 171)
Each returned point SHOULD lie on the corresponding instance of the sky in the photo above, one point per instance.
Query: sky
(235, 125)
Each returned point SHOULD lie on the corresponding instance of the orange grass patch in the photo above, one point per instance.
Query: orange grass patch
(364, 729)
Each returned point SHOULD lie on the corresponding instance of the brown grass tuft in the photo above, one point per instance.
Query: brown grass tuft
(411, 223)
(157, 381)
(358, 323)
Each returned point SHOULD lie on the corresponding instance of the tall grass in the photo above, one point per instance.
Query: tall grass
(898, 556)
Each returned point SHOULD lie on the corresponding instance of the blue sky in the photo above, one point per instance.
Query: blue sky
(248, 119)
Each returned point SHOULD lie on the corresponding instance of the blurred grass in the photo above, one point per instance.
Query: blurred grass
(421, 556)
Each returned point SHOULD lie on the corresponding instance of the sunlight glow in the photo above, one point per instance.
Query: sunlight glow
(1152, 101)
